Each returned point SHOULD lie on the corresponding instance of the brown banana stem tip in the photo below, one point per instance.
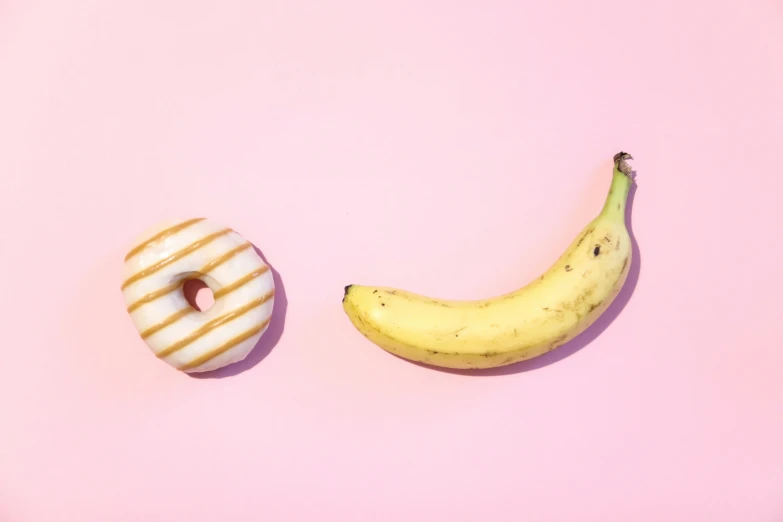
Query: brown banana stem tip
(622, 165)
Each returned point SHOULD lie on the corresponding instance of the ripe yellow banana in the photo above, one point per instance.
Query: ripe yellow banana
(523, 324)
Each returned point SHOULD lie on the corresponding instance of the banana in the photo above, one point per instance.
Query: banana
(528, 322)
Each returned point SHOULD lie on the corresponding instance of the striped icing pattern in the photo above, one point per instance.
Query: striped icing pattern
(156, 268)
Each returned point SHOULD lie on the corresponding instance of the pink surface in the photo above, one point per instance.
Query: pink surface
(448, 148)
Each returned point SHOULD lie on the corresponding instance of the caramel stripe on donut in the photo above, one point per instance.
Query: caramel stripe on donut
(154, 295)
(204, 270)
(174, 257)
(173, 318)
(241, 282)
(244, 336)
(162, 235)
(176, 316)
(214, 323)
(222, 259)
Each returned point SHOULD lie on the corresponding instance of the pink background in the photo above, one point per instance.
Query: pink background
(452, 148)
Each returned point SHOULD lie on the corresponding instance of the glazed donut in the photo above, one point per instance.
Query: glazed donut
(156, 268)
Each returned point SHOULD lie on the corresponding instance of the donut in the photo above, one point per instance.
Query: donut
(167, 255)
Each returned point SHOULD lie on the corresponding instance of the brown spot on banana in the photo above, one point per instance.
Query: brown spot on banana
(594, 306)
(439, 303)
(581, 298)
(557, 342)
(584, 236)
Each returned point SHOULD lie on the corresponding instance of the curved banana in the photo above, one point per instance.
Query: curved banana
(523, 324)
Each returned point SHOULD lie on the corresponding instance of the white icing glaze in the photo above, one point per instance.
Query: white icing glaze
(167, 255)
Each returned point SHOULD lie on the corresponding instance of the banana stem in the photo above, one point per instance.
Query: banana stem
(621, 164)
(614, 206)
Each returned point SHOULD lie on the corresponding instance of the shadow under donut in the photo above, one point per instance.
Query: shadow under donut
(267, 342)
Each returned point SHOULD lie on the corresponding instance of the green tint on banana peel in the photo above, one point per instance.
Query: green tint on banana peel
(520, 325)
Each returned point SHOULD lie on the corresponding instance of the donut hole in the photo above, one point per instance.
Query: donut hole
(198, 294)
